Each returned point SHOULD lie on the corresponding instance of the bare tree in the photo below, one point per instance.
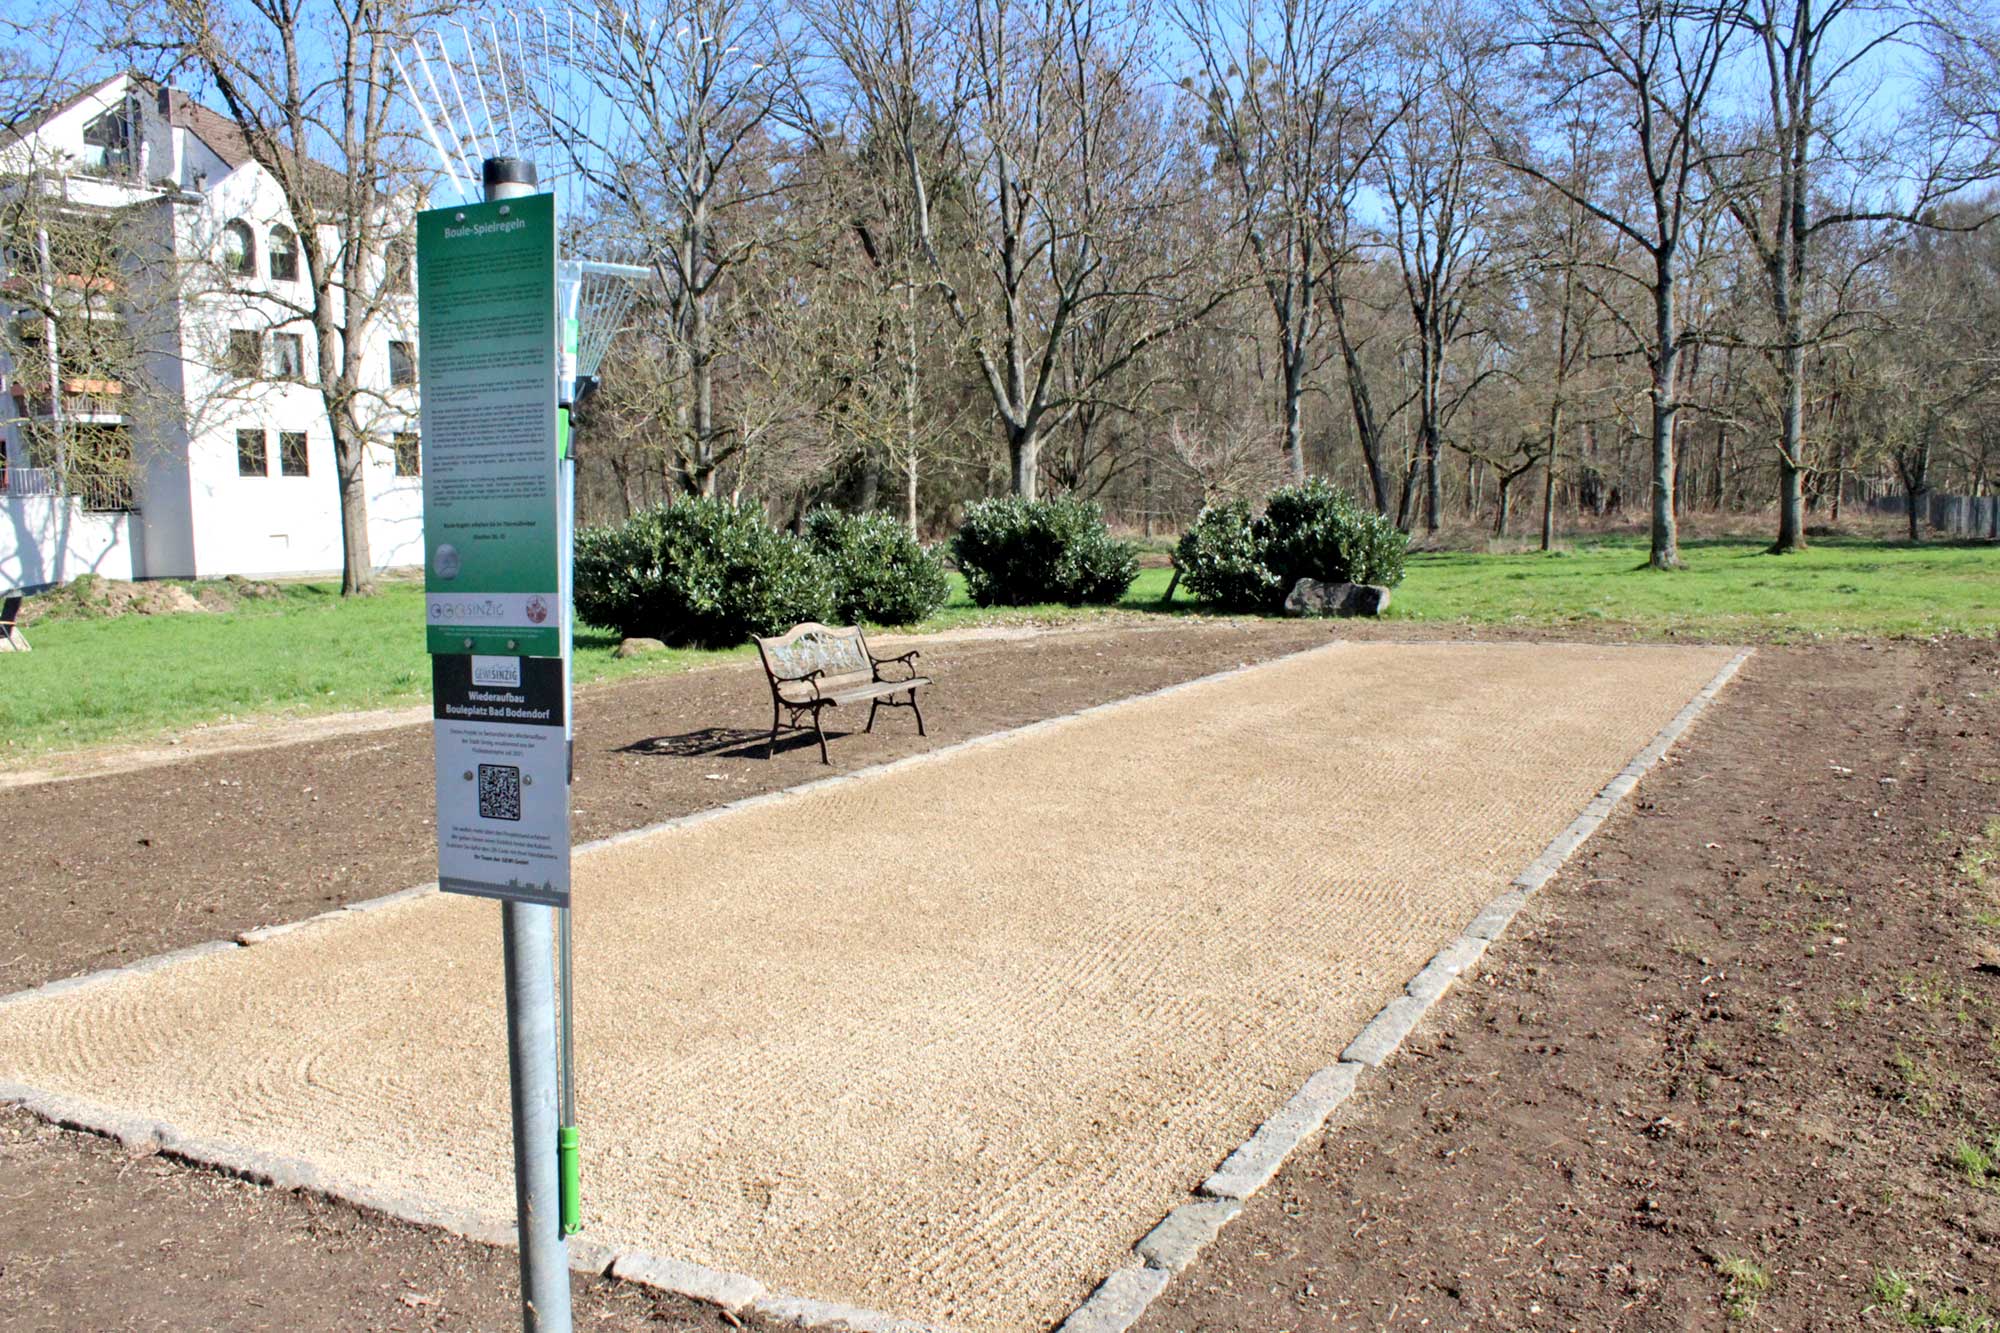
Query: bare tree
(1440, 192)
(1819, 156)
(894, 147)
(1660, 61)
(671, 114)
(1288, 121)
(1064, 163)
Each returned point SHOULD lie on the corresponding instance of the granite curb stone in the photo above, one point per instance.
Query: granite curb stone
(1118, 1302)
(730, 1291)
(1173, 1244)
(1385, 1032)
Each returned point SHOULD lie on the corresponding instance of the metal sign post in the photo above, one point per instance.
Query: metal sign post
(496, 583)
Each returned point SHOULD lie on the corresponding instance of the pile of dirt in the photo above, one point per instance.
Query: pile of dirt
(228, 593)
(94, 597)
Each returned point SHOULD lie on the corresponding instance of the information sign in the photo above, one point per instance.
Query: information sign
(486, 302)
(502, 777)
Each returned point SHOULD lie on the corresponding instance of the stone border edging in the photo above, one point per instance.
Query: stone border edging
(1171, 1246)
(1119, 1300)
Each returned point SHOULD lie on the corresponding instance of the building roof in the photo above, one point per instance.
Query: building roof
(222, 135)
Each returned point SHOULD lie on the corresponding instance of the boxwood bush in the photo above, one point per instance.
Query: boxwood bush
(875, 568)
(1309, 531)
(1016, 552)
(698, 572)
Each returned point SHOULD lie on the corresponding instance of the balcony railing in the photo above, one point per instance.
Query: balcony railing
(98, 493)
(30, 481)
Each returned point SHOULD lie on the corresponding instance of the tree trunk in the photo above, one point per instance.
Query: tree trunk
(1666, 548)
(1721, 467)
(1363, 407)
(1549, 476)
(1791, 449)
(357, 568)
(1295, 445)
(1024, 456)
(871, 480)
(1432, 485)
(702, 369)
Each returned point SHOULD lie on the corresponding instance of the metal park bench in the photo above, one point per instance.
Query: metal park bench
(814, 667)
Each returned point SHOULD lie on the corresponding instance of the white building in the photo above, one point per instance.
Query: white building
(231, 453)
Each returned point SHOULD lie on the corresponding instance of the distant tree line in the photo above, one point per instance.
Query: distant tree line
(1507, 262)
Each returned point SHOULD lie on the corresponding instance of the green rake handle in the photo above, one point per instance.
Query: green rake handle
(572, 1179)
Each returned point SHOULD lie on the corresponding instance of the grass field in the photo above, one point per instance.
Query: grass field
(307, 651)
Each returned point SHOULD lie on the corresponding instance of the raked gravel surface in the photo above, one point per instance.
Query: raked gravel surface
(943, 1040)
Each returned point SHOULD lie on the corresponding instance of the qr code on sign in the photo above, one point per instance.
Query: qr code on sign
(499, 791)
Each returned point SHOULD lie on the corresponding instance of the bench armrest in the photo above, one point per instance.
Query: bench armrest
(810, 678)
(907, 660)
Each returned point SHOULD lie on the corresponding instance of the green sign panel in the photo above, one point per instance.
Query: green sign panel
(486, 305)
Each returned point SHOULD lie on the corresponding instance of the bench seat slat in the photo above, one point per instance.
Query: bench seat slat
(839, 691)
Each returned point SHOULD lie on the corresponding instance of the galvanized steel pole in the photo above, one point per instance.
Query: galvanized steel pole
(528, 933)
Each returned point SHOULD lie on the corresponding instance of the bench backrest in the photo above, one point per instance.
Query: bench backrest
(833, 652)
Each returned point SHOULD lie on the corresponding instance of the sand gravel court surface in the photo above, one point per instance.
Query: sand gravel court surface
(942, 1039)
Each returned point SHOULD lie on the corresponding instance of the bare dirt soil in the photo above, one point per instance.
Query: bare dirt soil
(1745, 1032)
(106, 870)
(1718, 1075)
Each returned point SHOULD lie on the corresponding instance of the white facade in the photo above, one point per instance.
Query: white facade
(199, 506)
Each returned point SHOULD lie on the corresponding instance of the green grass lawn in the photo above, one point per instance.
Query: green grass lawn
(1730, 589)
(307, 651)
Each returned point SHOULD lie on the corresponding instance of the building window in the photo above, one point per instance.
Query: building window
(291, 453)
(112, 131)
(402, 268)
(250, 460)
(402, 364)
(288, 356)
(246, 353)
(409, 459)
(284, 255)
(239, 250)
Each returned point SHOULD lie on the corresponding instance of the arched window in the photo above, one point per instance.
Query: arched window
(239, 250)
(284, 254)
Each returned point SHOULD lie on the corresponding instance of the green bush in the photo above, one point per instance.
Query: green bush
(1221, 559)
(699, 572)
(1309, 531)
(876, 569)
(1017, 552)
(1315, 531)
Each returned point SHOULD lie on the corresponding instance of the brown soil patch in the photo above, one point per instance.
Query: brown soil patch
(1750, 1022)
(107, 870)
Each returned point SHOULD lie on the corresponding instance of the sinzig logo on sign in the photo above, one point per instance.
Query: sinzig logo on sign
(461, 610)
(501, 671)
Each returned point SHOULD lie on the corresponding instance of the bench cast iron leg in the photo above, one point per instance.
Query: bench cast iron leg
(821, 733)
(873, 704)
(918, 711)
(771, 746)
